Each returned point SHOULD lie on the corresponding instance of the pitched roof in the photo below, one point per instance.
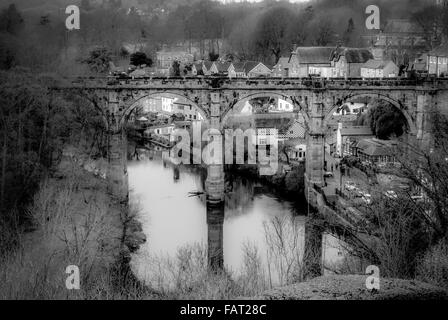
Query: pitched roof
(247, 66)
(283, 61)
(356, 131)
(440, 51)
(250, 65)
(376, 64)
(375, 147)
(313, 55)
(198, 66)
(353, 55)
(222, 66)
(207, 64)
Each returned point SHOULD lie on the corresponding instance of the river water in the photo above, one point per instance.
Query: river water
(255, 222)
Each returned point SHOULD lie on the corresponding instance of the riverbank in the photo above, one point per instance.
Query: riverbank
(76, 222)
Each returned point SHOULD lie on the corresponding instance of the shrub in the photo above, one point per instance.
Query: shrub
(433, 267)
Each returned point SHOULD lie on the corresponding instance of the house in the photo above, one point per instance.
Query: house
(379, 69)
(345, 136)
(376, 151)
(249, 69)
(165, 59)
(297, 153)
(281, 69)
(187, 110)
(206, 67)
(295, 130)
(167, 104)
(348, 61)
(161, 130)
(266, 136)
(220, 68)
(197, 69)
(437, 61)
(153, 104)
(284, 106)
(306, 61)
(420, 64)
(401, 40)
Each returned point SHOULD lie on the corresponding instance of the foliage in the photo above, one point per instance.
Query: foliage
(140, 58)
(98, 60)
(11, 20)
(175, 69)
(433, 266)
(427, 168)
(385, 120)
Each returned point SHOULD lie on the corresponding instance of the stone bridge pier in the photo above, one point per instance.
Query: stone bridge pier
(315, 143)
(117, 173)
(214, 184)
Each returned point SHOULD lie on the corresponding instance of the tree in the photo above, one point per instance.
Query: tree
(323, 31)
(140, 58)
(427, 167)
(212, 56)
(272, 37)
(385, 120)
(98, 60)
(176, 68)
(11, 20)
(349, 33)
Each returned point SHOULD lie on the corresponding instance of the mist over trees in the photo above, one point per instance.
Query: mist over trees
(33, 33)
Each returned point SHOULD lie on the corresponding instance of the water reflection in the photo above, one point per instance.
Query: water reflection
(253, 218)
(215, 228)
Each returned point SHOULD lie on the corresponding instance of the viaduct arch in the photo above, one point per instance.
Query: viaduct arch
(216, 99)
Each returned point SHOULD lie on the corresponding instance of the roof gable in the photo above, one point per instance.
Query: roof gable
(377, 64)
(313, 55)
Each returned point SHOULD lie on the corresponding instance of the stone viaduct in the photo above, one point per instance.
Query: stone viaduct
(217, 98)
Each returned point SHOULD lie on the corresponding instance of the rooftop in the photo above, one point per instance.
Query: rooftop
(376, 147)
(356, 131)
(376, 64)
(313, 55)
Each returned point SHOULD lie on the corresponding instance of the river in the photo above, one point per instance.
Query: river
(256, 222)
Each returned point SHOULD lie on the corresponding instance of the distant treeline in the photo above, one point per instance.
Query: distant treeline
(33, 33)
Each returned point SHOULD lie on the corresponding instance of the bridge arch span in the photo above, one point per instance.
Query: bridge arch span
(410, 122)
(130, 106)
(240, 103)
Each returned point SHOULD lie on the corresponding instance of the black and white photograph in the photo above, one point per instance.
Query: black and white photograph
(203, 151)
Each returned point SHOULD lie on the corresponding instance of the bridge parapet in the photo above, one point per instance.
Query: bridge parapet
(212, 83)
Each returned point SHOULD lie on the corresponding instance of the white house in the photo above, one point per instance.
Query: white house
(248, 69)
(266, 136)
(306, 61)
(167, 104)
(284, 106)
(298, 153)
(379, 69)
(248, 108)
